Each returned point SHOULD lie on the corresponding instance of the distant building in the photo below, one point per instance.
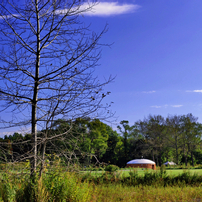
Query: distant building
(142, 163)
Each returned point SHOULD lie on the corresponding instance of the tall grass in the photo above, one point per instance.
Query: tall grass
(114, 193)
(53, 186)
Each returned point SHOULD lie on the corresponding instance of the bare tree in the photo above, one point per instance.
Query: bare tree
(47, 59)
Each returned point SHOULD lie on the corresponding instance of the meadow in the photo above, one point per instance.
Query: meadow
(126, 171)
(60, 185)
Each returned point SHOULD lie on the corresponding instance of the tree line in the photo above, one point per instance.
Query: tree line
(174, 138)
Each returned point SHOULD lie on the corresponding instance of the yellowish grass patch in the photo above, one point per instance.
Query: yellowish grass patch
(147, 194)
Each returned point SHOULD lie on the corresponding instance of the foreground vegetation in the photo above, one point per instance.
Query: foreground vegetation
(72, 189)
(147, 193)
(59, 185)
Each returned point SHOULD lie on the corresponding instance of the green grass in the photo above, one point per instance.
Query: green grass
(180, 171)
(141, 171)
(141, 185)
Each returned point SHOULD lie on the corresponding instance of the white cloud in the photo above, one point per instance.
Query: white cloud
(165, 106)
(156, 106)
(8, 16)
(194, 91)
(197, 91)
(99, 9)
(176, 105)
(112, 8)
(104, 9)
(153, 91)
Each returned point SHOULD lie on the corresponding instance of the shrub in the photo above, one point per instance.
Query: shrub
(52, 186)
(111, 168)
(7, 189)
(66, 187)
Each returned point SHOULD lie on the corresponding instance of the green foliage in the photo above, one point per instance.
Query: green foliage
(66, 187)
(59, 186)
(176, 138)
(111, 168)
(53, 186)
(163, 170)
(28, 191)
(7, 188)
(94, 138)
(95, 168)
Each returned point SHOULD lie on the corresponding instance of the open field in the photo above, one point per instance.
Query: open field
(141, 172)
(123, 185)
(153, 193)
(169, 171)
(113, 193)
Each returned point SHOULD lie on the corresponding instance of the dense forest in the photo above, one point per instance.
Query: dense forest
(174, 138)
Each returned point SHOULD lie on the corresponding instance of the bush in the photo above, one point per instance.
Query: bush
(7, 188)
(52, 186)
(111, 168)
(66, 187)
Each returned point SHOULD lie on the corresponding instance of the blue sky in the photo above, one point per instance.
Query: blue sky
(156, 56)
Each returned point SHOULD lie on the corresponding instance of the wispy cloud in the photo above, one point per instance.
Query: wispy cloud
(111, 8)
(156, 106)
(176, 105)
(104, 9)
(99, 9)
(194, 91)
(159, 106)
(153, 91)
(8, 16)
(165, 106)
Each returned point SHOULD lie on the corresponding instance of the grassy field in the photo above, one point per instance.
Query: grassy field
(179, 171)
(141, 172)
(113, 193)
(67, 186)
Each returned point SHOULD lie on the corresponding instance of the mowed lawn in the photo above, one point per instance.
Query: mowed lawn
(168, 171)
(141, 172)
(179, 171)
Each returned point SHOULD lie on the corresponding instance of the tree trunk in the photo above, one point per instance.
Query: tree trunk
(157, 162)
(35, 95)
(43, 160)
(185, 156)
(153, 155)
(192, 158)
(176, 150)
(160, 163)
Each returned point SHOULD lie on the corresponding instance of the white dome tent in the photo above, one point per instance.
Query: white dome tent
(142, 163)
(169, 163)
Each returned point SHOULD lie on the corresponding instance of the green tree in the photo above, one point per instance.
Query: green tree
(153, 131)
(94, 140)
(126, 132)
(115, 149)
(137, 143)
(174, 134)
(188, 127)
